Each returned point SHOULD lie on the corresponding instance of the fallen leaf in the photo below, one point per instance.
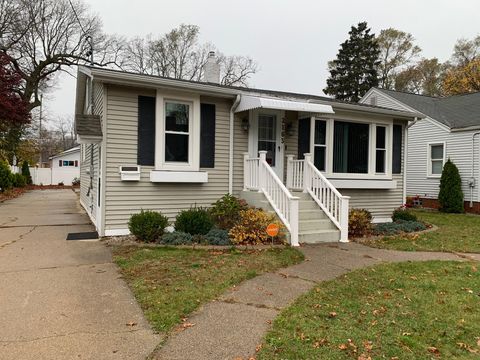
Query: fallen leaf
(187, 325)
(258, 347)
(364, 357)
(433, 350)
(131, 323)
(343, 346)
(333, 314)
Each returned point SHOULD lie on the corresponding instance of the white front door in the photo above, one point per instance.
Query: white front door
(267, 135)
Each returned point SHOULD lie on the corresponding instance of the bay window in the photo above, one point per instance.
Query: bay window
(380, 149)
(350, 147)
(320, 144)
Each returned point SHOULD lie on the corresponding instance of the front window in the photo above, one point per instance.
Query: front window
(177, 131)
(350, 147)
(320, 144)
(436, 155)
(380, 149)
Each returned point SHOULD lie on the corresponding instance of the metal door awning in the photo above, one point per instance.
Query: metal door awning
(248, 102)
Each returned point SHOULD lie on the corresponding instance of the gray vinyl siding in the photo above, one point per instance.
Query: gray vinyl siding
(122, 199)
(382, 202)
(458, 149)
(383, 100)
(92, 163)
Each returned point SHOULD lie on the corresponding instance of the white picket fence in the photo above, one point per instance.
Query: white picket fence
(51, 176)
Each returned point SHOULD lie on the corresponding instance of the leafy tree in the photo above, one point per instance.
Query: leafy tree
(6, 176)
(463, 78)
(397, 51)
(43, 37)
(354, 71)
(425, 78)
(178, 54)
(466, 51)
(450, 196)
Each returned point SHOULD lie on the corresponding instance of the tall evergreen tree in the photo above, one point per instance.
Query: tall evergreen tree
(450, 196)
(355, 70)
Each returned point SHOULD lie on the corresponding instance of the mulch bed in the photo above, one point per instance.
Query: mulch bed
(51, 187)
(12, 194)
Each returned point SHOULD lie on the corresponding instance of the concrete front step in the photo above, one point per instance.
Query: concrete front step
(323, 224)
(311, 215)
(318, 236)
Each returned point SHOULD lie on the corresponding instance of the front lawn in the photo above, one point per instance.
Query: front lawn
(170, 283)
(456, 233)
(423, 310)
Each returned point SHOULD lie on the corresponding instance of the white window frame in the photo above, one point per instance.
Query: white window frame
(381, 149)
(193, 101)
(371, 149)
(327, 144)
(429, 158)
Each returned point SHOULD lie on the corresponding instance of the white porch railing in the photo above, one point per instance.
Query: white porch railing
(334, 204)
(258, 175)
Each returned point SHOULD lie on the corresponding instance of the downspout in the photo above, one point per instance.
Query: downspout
(230, 150)
(405, 162)
(471, 182)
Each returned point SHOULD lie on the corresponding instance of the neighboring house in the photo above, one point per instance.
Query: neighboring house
(450, 129)
(65, 166)
(164, 144)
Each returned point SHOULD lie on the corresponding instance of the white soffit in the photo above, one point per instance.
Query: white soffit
(255, 102)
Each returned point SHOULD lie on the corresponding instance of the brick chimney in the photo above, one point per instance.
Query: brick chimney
(212, 69)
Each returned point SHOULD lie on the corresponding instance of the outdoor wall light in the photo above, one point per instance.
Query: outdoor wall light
(245, 124)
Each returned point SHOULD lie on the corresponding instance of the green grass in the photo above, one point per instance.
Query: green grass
(422, 310)
(170, 283)
(456, 233)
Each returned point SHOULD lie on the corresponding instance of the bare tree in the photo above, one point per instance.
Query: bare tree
(63, 126)
(178, 54)
(42, 37)
(465, 51)
(397, 51)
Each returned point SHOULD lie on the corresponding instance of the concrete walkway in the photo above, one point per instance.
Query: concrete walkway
(232, 327)
(62, 299)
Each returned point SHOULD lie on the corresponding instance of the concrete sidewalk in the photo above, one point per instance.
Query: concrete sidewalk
(232, 327)
(62, 299)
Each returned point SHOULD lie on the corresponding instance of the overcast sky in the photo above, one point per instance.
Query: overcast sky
(292, 41)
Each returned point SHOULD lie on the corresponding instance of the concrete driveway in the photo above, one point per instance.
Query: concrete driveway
(62, 299)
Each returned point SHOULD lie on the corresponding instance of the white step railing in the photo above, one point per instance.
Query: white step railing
(334, 204)
(258, 175)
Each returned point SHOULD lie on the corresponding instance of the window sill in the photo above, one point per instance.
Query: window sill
(161, 176)
(434, 176)
(363, 184)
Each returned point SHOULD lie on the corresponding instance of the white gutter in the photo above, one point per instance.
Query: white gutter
(405, 161)
(471, 183)
(230, 150)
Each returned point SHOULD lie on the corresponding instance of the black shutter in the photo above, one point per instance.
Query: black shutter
(207, 135)
(303, 137)
(397, 149)
(146, 131)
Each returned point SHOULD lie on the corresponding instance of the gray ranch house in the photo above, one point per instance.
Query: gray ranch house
(164, 144)
(450, 129)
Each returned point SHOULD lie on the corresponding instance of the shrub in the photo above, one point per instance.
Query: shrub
(218, 237)
(61, 183)
(359, 222)
(75, 181)
(19, 180)
(400, 226)
(177, 238)
(6, 176)
(194, 221)
(403, 214)
(251, 227)
(148, 226)
(26, 173)
(225, 211)
(450, 196)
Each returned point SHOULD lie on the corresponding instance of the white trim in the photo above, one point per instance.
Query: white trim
(193, 101)
(437, 124)
(378, 220)
(103, 174)
(179, 176)
(230, 141)
(363, 184)
(117, 232)
(429, 159)
(249, 102)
